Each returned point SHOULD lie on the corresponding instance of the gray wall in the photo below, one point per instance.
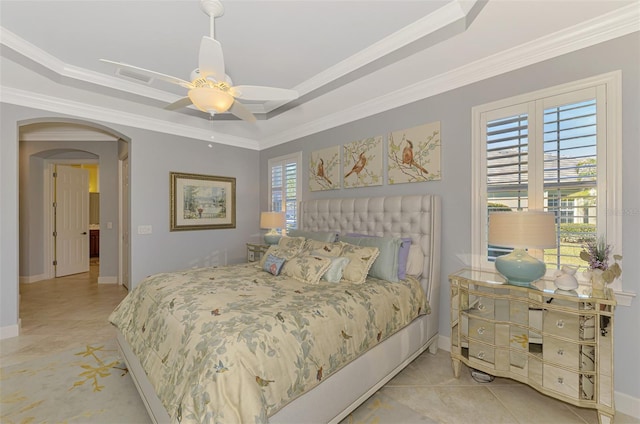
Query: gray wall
(33, 156)
(453, 110)
(151, 156)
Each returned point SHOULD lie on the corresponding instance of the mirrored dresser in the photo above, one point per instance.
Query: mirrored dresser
(558, 342)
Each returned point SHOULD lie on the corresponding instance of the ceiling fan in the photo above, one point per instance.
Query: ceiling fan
(210, 89)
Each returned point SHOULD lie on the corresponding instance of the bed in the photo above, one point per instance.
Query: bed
(321, 388)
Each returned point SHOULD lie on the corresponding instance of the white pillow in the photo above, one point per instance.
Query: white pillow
(415, 261)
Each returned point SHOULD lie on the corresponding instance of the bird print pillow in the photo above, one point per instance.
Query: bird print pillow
(360, 261)
(306, 268)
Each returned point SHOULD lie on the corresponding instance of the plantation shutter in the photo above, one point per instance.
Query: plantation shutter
(284, 188)
(507, 153)
(570, 174)
(543, 155)
(507, 162)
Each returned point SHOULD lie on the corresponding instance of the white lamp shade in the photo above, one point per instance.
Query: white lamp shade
(522, 230)
(272, 220)
(209, 99)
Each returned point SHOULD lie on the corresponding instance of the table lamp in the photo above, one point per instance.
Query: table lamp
(272, 221)
(521, 230)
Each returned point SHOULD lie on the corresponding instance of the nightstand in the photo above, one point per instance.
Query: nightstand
(558, 342)
(255, 251)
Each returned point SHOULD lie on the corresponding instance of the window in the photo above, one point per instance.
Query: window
(284, 187)
(556, 150)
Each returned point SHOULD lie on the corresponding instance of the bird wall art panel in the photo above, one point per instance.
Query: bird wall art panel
(414, 154)
(362, 161)
(324, 169)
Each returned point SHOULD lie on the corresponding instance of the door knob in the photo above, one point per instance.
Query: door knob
(84, 233)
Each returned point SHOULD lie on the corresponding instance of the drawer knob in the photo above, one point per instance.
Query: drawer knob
(560, 323)
(560, 352)
(481, 307)
(481, 355)
(560, 380)
(481, 330)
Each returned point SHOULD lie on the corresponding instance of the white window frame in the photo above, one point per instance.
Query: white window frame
(609, 178)
(292, 157)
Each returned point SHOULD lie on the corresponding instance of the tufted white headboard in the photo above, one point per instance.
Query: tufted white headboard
(416, 216)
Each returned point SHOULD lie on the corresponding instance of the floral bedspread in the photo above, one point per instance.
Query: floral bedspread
(235, 344)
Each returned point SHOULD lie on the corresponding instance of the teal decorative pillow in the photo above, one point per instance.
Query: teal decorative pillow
(385, 266)
(273, 264)
(336, 269)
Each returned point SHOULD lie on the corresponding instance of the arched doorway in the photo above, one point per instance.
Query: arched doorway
(42, 145)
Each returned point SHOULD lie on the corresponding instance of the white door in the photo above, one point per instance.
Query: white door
(72, 220)
(124, 222)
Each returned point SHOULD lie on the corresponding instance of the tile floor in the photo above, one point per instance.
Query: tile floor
(71, 311)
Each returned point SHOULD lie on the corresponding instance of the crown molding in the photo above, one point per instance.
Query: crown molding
(618, 23)
(28, 50)
(615, 24)
(33, 100)
(440, 18)
(37, 55)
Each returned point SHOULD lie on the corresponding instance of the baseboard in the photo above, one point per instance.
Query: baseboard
(625, 403)
(444, 343)
(107, 280)
(32, 278)
(10, 331)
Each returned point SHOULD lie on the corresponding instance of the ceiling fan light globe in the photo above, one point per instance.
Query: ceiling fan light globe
(208, 98)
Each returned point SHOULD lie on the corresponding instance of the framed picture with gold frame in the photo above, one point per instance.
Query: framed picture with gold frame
(201, 202)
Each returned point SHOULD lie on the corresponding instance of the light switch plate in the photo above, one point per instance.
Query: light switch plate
(145, 229)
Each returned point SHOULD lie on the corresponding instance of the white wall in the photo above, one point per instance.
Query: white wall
(453, 110)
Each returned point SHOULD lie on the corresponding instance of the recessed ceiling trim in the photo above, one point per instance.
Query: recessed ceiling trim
(440, 18)
(43, 58)
(33, 100)
(615, 24)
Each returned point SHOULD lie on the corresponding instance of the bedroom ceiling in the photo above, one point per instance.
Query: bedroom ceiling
(348, 59)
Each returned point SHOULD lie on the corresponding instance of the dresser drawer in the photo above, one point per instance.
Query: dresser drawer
(561, 381)
(561, 324)
(481, 306)
(481, 330)
(561, 352)
(481, 353)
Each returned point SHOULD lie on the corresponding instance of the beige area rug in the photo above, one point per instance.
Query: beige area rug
(88, 385)
(93, 385)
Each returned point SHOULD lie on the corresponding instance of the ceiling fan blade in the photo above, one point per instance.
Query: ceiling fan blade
(254, 92)
(135, 72)
(211, 60)
(183, 102)
(239, 110)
